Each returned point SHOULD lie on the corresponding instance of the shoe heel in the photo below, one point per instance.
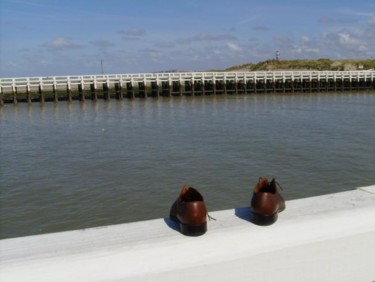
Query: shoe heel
(189, 230)
(264, 220)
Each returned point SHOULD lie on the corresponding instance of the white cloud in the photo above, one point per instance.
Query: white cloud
(234, 47)
(206, 37)
(61, 43)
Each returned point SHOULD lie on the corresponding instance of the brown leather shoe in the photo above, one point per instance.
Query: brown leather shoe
(189, 210)
(266, 202)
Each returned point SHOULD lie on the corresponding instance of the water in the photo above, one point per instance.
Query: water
(74, 165)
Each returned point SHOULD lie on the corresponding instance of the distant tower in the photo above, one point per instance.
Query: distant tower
(277, 55)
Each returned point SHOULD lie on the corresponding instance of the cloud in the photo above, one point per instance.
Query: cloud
(345, 41)
(61, 43)
(234, 47)
(332, 21)
(102, 44)
(205, 37)
(133, 33)
(164, 44)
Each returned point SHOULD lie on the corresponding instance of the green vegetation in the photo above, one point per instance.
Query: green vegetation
(320, 64)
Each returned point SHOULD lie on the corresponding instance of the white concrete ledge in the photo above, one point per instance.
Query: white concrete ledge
(325, 238)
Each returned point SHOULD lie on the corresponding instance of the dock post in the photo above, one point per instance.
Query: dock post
(41, 94)
(129, 90)
(142, 90)
(292, 82)
(334, 82)
(180, 88)
(80, 92)
(154, 89)
(55, 98)
(14, 92)
(54, 91)
(170, 87)
(157, 87)
(106, 95)
(1, 97)
(28, 93)
(94, 95)
(192, 88)
(132, 88)
(358, 81)
(69, 91)
(118, 91)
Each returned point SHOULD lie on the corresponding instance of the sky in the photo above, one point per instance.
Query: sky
(82, 37)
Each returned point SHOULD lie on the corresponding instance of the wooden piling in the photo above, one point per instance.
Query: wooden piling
(170, 88)
(106, 95)
(129, 90)
(154, 89)
(180, 88)
(41, 94)
(68, 92)
(118, 91)
(14, 92)
(54, 91)
(28, 94)
(94, 95)
(1, 97)
(81, 94)
(142, 90)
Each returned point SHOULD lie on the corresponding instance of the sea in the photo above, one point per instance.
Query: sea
(75, 165)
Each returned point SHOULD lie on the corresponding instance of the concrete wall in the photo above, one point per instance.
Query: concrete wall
(325, 238)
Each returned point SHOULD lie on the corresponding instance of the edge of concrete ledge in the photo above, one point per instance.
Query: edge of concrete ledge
(324, 238)
(369, 189)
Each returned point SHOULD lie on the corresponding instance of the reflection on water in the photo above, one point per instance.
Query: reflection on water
(74, 165)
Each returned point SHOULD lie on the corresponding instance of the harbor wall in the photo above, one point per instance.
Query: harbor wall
(324, 238)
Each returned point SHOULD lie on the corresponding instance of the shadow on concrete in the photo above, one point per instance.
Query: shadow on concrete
(243, 213)
(171, 224)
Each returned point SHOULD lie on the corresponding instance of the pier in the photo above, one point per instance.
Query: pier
(120, 86)
(323, 238)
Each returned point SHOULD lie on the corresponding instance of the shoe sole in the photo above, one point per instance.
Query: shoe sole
(264, 220)
(190, 230)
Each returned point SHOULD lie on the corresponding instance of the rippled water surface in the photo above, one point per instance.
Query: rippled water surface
(74, 165)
